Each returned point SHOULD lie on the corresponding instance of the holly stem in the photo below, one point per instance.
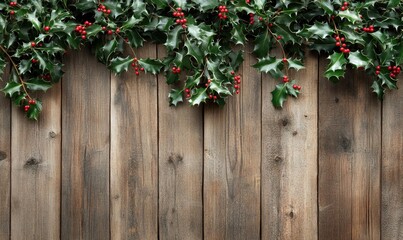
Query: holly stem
(16, 70)
(281, 47)
(130, 47)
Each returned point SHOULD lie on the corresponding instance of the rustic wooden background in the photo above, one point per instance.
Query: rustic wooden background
(109, 159)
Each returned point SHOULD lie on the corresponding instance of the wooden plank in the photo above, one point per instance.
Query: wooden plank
(392, 166)
(289, 159)
(134, 154)
(35, 177)
(232, 161)
(5, 162)
(180, 168)
(85, 163)
(349, 158)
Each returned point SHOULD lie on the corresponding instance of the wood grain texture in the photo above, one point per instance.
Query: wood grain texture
(134, 154)
(232, 161)
(289, 159)
(5, 162)
(392, 166)
(36, 160)
(349, 158)
(180, 168)
(85, 168)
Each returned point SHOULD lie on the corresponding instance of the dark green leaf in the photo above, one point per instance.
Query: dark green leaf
(198, 96)
(173, 38)
(268, 64)
(359, 60)
(262, 44)
(120, 64)
(279, 95)
(151, 65)
(38, 85)
(175, 96)
(11, 88)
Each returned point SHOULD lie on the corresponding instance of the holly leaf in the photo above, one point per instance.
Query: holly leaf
(262, 44)
(34, 20)
(11, 88)
(217, 87)
(393, 3)
(198, 96)
(175, 97)
(134, 38)
(180, 3)
(119, 64)
(173, 38)
(151, 65)
(351, 16)
(38, 85)
(268, 64)
(34, 110)
(378, 89)
(238, 35)
(296, 64)
(131, 22)
(205, 5)
(24, 66)
(319, 30)
(201, 32)
(381, 38)
(334, 76)
(279, 95)
(326, 5)
(357, 59)
(3, 65)
(260, 3)
(286, 34)
(194, 80)
(337, 62)
(194, 51)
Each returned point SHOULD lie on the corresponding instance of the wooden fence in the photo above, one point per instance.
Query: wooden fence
(109, 159)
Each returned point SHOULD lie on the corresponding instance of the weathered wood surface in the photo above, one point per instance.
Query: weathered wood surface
(392, 167)
(109, 159)
(134, 154)
(349, 159)
(180, 168)
(35, 171)
(232, 157)
(5, 163)
(86, 142)
(289, 159)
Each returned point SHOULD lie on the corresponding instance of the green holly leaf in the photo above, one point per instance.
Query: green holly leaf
(35, 110)
(296, 64)
(260, 3)
(194, 51)
(337, 62)
(357, 59)
(119, 64)
(173, 38)
(238, 35)
(194, 80)
(175, 97)
(199, 95)
(286, 34)
(393, 3)
(236, 59)
(133, 21)
(262, 44)
(279, 95)
(319, 30)
(180, 3)
(217, 87)
(334, 76)
(161, 4)
(386, 80)
(134, 38)
(378, 89)
(38, 85)
(399, 57)
(268, 64)
(201, 32)
(11, 88)
(151, 65)
(205, 5)
(381, 38)
(326, 5)
(106, 51)
(34, 20)
(3, 65)
(351, 16)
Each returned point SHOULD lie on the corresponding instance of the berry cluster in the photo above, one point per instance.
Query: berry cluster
(394, 71)
(296, 87)
(136, 67)
(102, 8)
(369, 29)
(108, 31)
(237, 82)
(27, 106)
(181, 20)
(207, 83)
(213, 97)
(176, 70)
(13, 4)
(81, 29)
(251, 18)
(340, 42)
(344, 7)
(187, 91)
(47, 77)
(222, 12)
(285, 79)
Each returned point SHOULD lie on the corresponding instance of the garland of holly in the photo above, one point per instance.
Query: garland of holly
(201, 38)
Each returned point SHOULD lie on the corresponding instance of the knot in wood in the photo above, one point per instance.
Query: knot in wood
(3, 155)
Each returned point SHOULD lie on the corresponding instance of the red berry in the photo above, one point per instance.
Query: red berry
(337, 38)
(377, 72)
(187, 90)
(215, 97)
(378, 67)
(12, 12)
(299, 88)
(188, 95)
(103, 28)
(337, 44)
(390, 68)
(110, 32)
(142, 69)
(341, 49)
(285, 60)
(83, 37)
(279, 37)
(46, 28)
(345, 4)
(137, 73)
(342, 39)
(33, 44)
(108, 11)
(232, 72)
(237, 91)
(26, 108)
